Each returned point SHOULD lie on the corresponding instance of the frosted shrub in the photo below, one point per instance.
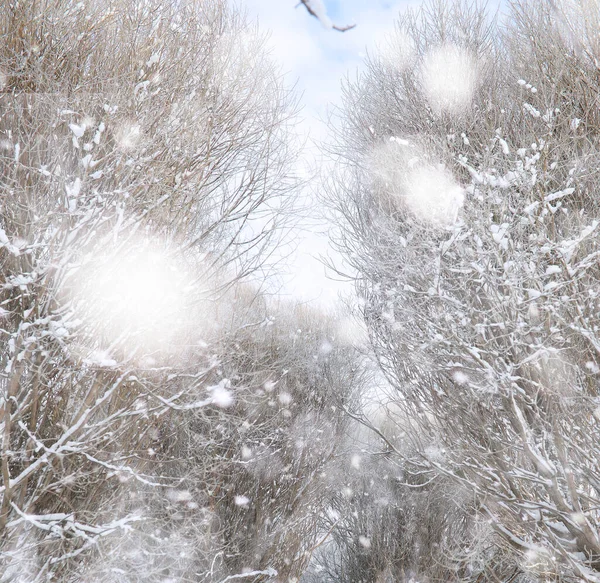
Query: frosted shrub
(143, 149)
(487, 327)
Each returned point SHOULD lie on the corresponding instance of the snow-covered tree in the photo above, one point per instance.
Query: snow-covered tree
(468, 155)
(146, 167)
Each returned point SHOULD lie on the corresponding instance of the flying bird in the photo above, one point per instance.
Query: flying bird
(317, 9)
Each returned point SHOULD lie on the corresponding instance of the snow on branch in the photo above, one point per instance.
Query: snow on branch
(317, 9)
(270, 572)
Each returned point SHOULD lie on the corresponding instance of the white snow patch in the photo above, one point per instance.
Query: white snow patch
(101, 358)
(73, 190)
(154, 58)
(559, 194)
(504, 146)
(78, 130)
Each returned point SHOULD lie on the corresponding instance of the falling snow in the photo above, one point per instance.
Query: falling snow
(167, 415)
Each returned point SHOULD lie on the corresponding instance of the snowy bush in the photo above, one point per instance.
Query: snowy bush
(146, 169)
(487, 324)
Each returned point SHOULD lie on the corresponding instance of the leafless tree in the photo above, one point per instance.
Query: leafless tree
(146, 169)
(468, 156)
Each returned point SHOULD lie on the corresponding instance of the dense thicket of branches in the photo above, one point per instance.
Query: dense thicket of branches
(470, 211)
(155, 412)
(161, 420)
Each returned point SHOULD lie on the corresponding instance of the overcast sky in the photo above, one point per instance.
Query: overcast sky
(316, 59)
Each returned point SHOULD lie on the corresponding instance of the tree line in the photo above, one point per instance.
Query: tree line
(164, 418)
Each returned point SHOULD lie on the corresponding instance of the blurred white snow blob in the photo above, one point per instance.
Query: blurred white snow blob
(137, 288)
(221, 395)
(449, 76)
(404, 174)
(285, 398)
(179, 495)
(575, 20)
(128, 136)
(364, 542)
(136, 296)
(241, 501)
(325, 348)
(538, 561)
(350, 331)
(460, 378)
(433, 195)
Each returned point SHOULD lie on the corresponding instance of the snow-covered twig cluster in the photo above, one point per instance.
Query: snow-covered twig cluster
(483, 307)
(155, 407)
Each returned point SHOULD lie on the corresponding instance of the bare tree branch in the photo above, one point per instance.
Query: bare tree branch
(315, 8)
